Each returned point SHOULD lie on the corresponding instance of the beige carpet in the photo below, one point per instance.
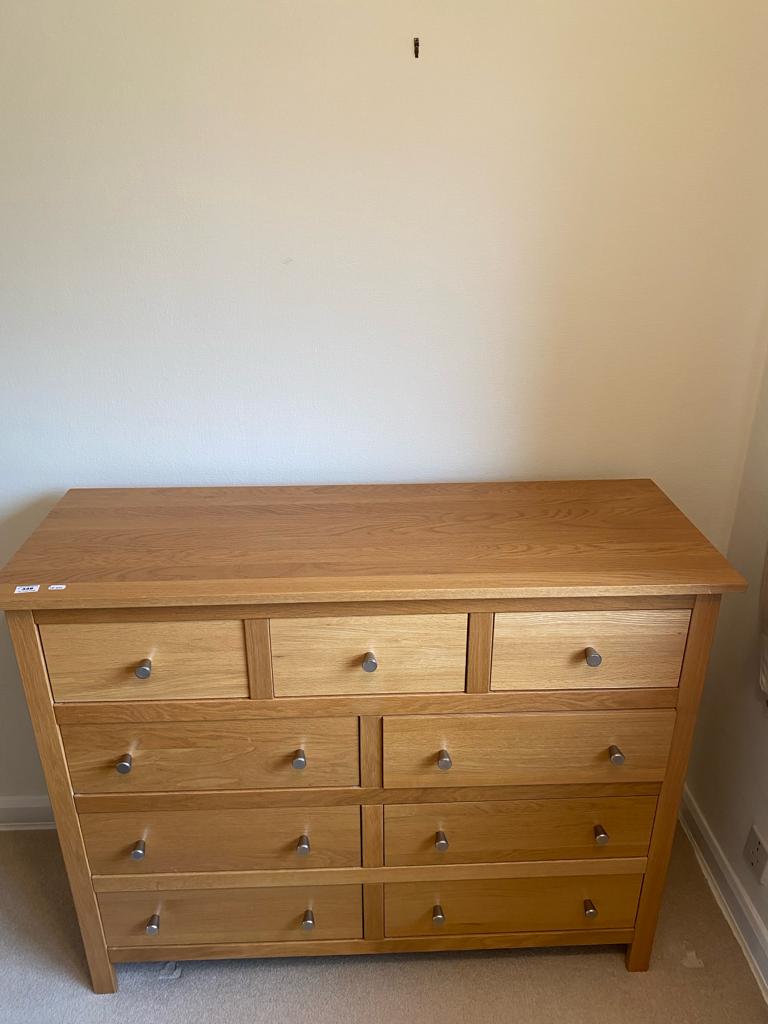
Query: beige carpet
(698, 975)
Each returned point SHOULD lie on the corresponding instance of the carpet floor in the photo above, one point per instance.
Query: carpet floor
(698, 975)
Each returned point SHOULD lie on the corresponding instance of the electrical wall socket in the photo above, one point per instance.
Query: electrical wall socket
(756, 855)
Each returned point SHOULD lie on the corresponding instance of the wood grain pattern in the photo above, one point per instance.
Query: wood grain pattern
(189, 659)
(417, 654)
(222, 839)
(259, 651)
(546, 650)
(198, 755)
(373, 911)
(479, 650)
(233, 915)
(29, 654)
(508, 905)
(498, 750)
(510, 830)
(373, 835)
(371, 751)
(238, 545)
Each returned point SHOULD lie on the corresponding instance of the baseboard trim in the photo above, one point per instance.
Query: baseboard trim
(732, 898)
(25, 812)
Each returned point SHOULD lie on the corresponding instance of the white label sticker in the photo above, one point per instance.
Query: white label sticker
(58, 586)
(28, 588)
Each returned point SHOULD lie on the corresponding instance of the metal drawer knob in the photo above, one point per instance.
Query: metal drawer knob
(438, 915)
(601, 836)
(153, 925)
(590, 910)
(444, 761)
(139, 850)
(125, 764)
(369, 663)
(302, 847)
(307, 921)
(144, 669)
(592, 657)
(441, 841)
(615, 754)
(299, 760)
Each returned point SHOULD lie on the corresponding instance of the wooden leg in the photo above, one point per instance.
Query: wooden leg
(702, 628)
(34, 676)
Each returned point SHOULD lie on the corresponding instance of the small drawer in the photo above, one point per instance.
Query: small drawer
(231, 915)
(515, 830)
(251, 839)
(511, 905)
(146, 660)
(588, 650)
(376, 654)
(292, 753)
(531, 748)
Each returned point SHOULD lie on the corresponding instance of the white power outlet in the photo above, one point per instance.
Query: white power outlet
(756, 855)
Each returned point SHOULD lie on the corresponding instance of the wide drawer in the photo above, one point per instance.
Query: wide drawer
(213, 755)
(584, 650)
(510, 830)
(232, 915)
(99, 661)
(526, 748)
(369, 654)
(137, 842)
(510, 905)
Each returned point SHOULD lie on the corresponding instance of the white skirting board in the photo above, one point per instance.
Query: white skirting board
(17, 812)
(733, 899)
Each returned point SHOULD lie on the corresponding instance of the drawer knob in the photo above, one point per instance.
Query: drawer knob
(153, 925)
(441, 841)
(601, 836)
(592, 657)
(590, 910)
(302, 847)
(124, 765)
(307, 921)
(144, 669)
(139, 850)
(299, 760)
(370, 664)
(438, 915)
(444, 761)
(615, 754)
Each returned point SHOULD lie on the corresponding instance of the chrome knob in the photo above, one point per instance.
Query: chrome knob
(601, 836)
(302, 847)
(590, 910)
(139, 850)
(369, 663)
(153, 925)
(125, 764)
(438, 915)
(615, 754)
(299, 760)
(441, 841)
(307, 921)
(592, 657)
(144, 669)
(444, 761)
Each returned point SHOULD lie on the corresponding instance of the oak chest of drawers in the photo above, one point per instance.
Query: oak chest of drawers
(331, 720)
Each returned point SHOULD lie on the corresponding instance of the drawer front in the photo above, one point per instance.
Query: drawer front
(510, 905)
(526, 749)
(232, 915)
(512, 830)
(252, 839)
(213, 755)
(548, 650)
(98, 661)
(411, 654)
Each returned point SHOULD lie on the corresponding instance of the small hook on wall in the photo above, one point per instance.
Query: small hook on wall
(416, 45)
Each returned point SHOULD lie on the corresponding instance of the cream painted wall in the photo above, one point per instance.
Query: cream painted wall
(259, 242)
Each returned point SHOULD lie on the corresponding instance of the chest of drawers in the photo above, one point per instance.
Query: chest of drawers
(335, 720)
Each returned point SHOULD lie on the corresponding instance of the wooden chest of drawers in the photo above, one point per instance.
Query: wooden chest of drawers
(294, 721)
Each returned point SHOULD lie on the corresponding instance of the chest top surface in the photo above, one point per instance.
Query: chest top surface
(147, 547)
